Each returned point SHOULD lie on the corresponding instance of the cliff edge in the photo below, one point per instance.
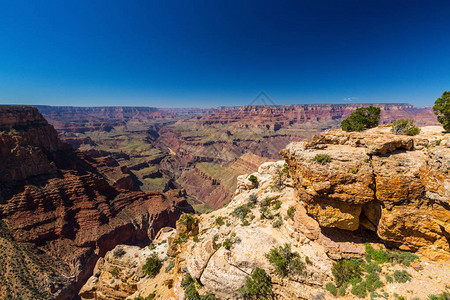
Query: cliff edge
(301, 221)
(395, 185)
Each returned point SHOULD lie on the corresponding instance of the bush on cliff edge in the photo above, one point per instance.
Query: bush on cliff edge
(404, 126)
(363, 118)
(442, 109)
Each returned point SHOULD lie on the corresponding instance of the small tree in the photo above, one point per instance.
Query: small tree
(442, 109)
(363, 118)
(152, 265)
(404, 126)
(258, 286)
(253, 179)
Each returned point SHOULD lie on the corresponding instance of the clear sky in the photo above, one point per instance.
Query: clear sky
(213, 52)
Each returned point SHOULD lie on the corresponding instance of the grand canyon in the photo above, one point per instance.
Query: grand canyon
(78, 183)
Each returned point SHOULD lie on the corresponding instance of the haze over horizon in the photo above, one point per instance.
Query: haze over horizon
(208, 54)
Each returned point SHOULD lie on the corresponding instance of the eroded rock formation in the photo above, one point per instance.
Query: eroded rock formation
(395, 185)
(60, 209)
(221, 250)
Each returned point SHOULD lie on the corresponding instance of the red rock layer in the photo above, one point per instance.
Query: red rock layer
(63, 204)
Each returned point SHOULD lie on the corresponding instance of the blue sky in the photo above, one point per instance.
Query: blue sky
(210, 53)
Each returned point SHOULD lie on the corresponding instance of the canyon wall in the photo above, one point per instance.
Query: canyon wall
(60, 209)
(395, 185)
(162, 148)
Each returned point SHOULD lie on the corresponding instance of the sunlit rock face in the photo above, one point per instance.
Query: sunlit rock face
(395, 185)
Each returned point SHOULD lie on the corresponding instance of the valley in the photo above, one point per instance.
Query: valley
(202, 150)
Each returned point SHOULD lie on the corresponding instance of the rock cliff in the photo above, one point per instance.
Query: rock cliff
(222, 249)
(396, 185)
(61, 209)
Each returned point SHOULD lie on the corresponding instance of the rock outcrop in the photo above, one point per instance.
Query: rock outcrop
(59, 213)
(397, 186)
(221, 249)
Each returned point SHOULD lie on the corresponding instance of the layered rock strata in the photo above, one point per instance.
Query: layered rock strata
(397, 186)
(221, 250)
(59, 213)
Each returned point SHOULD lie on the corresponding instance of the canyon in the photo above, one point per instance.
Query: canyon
(75, 187)
(166, 149)
(378, 191)
(60, 209)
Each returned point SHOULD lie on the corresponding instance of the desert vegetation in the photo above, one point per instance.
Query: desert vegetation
(442, 109)
(152, 266)
(363, 275)
(363, 118)
(257, 286)
(405, 126)
(322, 159)
(190, 290)
(285, 261)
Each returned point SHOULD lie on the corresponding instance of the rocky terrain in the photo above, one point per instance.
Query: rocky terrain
(166, 149)
(301, 222)
(60, 209)
(395, 185)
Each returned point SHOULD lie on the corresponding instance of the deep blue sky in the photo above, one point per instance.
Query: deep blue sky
(209, 53)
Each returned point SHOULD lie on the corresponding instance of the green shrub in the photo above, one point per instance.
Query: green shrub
(115, 272)
(227, 244)
(372, 268)
(442, 296)
(152, 265)
(373, 281)
(345, 270)
(119, 252)
(404, 126)
(187, 219)
(403, 257)
(442, 109)
(241, 212)
(331, 288)
(265, 213)
(291, 211)
(322, 159)
(253, 198)
(181, 239)
(359, 290)
(169, 266)
(380, 256)
(258, 286)
(363, 118)
(285, 261)
(219, 221)
(276, 204)
(389, 278)
(277, 223)
(307, 260)
(343, 289)
(190, 292)
(268, 201)
(286, 170)
(149, 297)
(253, 179)
(402, 276)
